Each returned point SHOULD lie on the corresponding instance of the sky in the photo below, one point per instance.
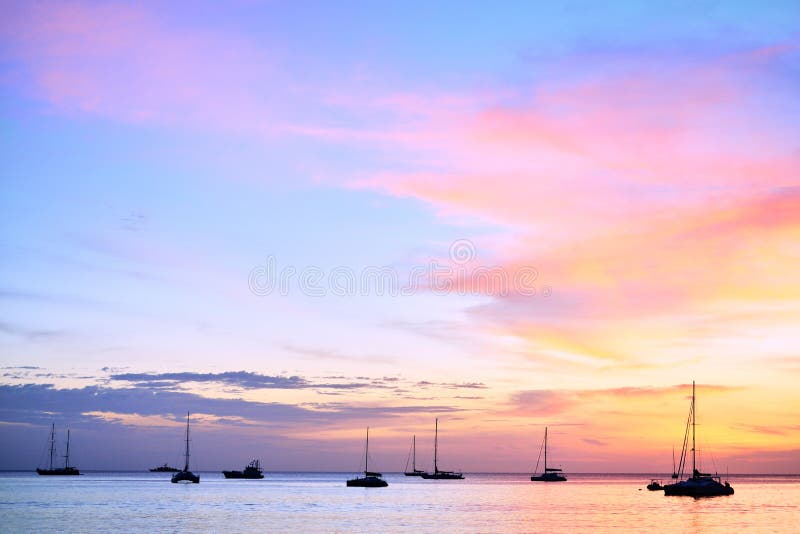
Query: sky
(299, 219)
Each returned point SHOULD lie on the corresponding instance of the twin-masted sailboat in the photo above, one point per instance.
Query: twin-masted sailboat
(437, 473)
(371, 479)
(699, 484)
(51, 470)
(550, 474)
(185, 475)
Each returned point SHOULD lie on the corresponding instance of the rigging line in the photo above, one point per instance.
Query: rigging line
(536, 469)
(682, 463)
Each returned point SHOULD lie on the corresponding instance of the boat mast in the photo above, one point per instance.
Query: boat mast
(436, 447)
(414, 452)
(186, 465)
(694, 452)
(66, 456)
(52, 443)
(545, 449)
(366, 456)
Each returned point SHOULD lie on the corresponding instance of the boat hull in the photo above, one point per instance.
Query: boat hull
(243, 475)
(550, 477)
(367, 482)
(63, 471)
(185, 477)
(698, 487)
(414, 473)
(655, 487)
(442, 475)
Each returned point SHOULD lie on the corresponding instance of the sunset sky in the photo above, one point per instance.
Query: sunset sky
(299, 219)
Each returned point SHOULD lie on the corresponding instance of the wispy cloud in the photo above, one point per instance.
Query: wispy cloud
(635, 204)
(451, 385)
(106, 59)
(545, 402)
(29, 334)
(37, 403)
(328, 354)
(241, 379)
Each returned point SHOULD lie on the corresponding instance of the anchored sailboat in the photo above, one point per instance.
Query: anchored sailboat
(413, 457)
(699, 484)
(437, 474)
(550, 474)
(371, 479)
(67, 469)
(185, 475)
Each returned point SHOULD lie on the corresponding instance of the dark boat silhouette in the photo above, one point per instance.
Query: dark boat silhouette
(655, 485)
(550, 474)
(437, 473)
(67, 470)
(252, 471)
(413, 457)
(164, 469)
(371, 479)
(699, 484)
(185, 475)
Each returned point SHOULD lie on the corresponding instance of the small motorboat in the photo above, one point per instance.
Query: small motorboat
(164, 469)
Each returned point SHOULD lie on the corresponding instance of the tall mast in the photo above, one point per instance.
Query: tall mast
(66, 456)
(186, 465)
(545, 449)
(414, 452)
(436, 448)
(694, 417)
(52, 443)
(366, 459)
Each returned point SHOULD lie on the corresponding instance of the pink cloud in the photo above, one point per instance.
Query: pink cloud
(119, 60)
(643, 199)
(548, 402)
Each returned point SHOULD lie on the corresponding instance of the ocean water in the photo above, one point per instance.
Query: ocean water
(320, 502)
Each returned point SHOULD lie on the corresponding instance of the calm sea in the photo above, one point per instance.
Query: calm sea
(320, 502)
